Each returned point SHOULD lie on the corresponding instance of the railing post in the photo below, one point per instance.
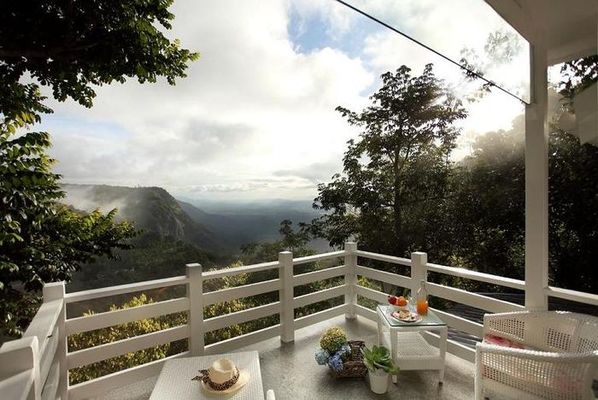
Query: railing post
(419, 270)
(195, 316)
(351, 279)
(56, 291)
(17, 356)
(286, 297)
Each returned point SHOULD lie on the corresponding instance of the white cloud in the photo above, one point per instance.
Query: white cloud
(448, 27)
(254, 114)
(250, 106)
(338, 20)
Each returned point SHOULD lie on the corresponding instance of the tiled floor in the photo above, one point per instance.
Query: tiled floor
(290, 369)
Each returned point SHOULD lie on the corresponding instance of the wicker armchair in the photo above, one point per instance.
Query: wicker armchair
(558, 362)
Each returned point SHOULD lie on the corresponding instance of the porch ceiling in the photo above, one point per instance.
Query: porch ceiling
(570, 28)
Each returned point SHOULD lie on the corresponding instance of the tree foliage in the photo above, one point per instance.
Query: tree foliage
(484, 226)
(469, 213)
(578, 75)
(74, 46)
(573, 202)
(98, 337)
(500, 49)
(41, 240)
(71, 47)
(290, 240)
(487, 211)
(152, 256)
(397, 168)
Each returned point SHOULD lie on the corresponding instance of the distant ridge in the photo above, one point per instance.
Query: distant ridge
(221, 232)
(152, 209)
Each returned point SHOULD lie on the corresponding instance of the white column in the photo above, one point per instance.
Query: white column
(286, 297)
(419, 270)
(351, 279)
(195, 315)
(56, 291)
(536, 182)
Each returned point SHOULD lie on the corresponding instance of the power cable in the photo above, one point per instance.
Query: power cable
(469, 70)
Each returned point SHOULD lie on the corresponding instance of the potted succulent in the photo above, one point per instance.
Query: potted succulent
(380, 366)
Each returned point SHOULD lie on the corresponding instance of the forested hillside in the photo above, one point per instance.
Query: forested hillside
(172, 233)
(236, 224)
(152, 209)
(399, 191)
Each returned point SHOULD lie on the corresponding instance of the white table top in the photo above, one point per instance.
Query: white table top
(429, 321)
(175, 381)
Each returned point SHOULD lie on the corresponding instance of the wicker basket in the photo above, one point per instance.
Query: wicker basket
(354, 366)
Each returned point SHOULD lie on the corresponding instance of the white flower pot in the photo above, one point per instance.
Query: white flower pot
(378, 381)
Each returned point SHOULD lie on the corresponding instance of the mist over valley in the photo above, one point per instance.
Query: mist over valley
(174, 232)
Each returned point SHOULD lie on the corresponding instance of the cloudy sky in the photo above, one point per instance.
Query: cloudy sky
(255, 117)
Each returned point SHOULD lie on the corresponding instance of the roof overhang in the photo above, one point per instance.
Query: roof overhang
(568, 28)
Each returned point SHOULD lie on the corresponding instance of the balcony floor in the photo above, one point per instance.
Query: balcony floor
(290, 369)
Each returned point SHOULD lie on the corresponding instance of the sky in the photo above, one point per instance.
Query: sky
(255, 117)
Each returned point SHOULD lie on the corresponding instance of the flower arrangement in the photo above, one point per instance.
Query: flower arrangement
(334, 349)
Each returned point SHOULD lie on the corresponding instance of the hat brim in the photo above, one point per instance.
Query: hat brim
(242, 381)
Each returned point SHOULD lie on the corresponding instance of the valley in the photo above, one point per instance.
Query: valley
(174, 232)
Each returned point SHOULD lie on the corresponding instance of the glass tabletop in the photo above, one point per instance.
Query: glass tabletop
(431, 319)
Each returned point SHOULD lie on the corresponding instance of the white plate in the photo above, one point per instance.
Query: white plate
(413, 317)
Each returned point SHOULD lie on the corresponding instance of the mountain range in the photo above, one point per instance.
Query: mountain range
(222, 230)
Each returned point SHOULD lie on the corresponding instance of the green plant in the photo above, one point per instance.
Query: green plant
(379, 358)
(333, 339)
(54, 44)
(98, 337)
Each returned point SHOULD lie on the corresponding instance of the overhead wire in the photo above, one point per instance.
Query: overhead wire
(469, 70)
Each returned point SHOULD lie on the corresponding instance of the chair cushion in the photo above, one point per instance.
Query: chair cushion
(503, 342)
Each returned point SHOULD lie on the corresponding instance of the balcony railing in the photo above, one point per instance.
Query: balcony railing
(36, 366)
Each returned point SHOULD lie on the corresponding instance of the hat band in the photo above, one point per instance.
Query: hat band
(205, 377)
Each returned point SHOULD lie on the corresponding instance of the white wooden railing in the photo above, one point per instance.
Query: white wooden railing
(36, 366)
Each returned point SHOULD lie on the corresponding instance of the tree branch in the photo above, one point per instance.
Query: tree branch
(50, 52)
(414, 201)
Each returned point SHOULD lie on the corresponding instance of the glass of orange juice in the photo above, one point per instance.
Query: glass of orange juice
(422, 306)
(422, 299)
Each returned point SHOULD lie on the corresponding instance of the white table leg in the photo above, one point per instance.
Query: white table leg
(380, 328)
(442, 348)
(394, 346)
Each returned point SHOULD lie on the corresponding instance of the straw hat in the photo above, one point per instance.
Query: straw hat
(223, 377)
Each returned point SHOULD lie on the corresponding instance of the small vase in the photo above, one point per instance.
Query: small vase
(378, 381)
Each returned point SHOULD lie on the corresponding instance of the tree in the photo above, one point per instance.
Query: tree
(70, 47)
(500, 49)
(485, 224)
(73, 46)
(290, 240)
(397, 170)
(296, 241)
(573, 202)
(578, 75)
(41, 240)
(98, 337)
(485, 214)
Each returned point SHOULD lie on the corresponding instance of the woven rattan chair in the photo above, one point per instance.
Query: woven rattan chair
(558, 362)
